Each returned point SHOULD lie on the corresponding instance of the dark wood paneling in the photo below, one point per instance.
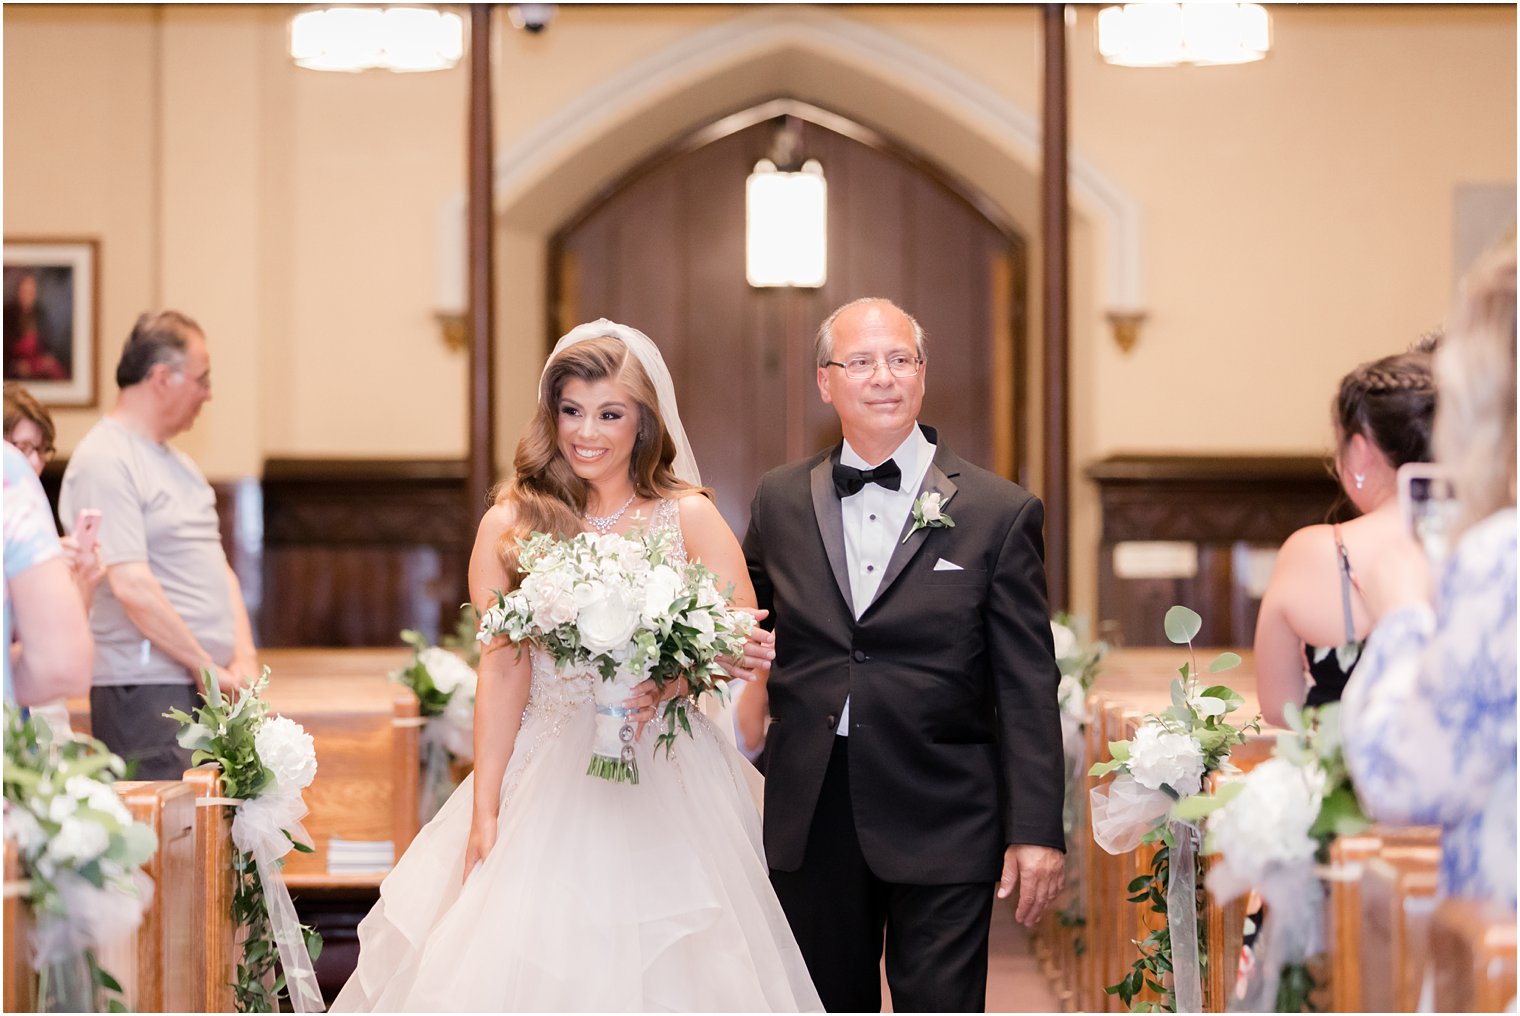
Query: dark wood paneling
(1221, 505)
(356, 550)
(663, 250)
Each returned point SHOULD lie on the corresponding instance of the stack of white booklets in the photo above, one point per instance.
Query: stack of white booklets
(359, 857)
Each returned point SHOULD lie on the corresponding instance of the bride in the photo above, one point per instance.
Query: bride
(537, 886)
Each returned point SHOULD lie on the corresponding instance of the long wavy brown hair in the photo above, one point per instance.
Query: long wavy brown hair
(545, 494)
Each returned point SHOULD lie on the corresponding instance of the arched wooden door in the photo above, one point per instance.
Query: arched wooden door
(663, 251)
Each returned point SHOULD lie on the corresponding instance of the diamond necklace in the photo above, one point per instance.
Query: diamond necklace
(603, 523)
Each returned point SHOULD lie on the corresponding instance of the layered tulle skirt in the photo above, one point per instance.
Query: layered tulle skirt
(597, 895)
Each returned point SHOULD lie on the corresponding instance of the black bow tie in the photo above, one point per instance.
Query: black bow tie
(849, 480)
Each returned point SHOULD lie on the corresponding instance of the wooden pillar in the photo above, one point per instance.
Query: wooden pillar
(482, 401)
(1056, 306)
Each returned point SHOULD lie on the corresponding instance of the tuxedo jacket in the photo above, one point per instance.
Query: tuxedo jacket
(955, 734)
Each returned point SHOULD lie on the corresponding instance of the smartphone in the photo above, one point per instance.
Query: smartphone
(1428, 505)
(87, 530)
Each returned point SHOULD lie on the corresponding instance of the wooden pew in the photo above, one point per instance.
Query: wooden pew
(158, 969)
(213, 944)
(1343, 924)
(1398, 897)
(367, 732)
(1472, 949)
(20, 978)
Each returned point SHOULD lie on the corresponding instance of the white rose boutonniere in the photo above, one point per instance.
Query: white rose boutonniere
(929, 513)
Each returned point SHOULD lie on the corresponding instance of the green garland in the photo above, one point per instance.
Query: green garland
(223, 733)
(1153, 967)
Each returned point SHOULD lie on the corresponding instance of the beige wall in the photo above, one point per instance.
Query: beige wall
(1296, 214)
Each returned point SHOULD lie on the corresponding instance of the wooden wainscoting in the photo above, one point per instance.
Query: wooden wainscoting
(1192, 530)
(355, 550)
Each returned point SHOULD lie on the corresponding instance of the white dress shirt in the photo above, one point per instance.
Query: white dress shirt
(873, 522)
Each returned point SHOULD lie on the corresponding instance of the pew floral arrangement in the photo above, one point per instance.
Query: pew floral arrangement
(619, 605)
(266, 762)
(1165, 763)
(1079, 660)
(82, 854)
(445, 688)
(1270, 830)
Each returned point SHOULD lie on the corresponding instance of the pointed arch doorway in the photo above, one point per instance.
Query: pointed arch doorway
(662, 249)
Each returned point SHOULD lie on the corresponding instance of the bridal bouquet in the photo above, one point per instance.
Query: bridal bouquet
(81, 851)
(445, 688)
(266, 763)
(1269, 829)
(1164, 763)
(621, 605)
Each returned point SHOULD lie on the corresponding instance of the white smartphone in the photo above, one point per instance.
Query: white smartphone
(1428, 505)
(87, 530)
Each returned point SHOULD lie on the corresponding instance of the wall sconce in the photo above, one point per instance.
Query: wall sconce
(354, 39)
(451, 264)
(1126, 326)
(1169, 34)
(786, 217)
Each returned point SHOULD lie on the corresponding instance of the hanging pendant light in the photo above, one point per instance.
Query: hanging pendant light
(1168, 34)
(786, 224)
(353, 39)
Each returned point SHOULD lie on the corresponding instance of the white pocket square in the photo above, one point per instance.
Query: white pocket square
(943, 565)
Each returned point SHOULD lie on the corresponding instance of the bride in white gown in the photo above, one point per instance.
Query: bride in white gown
(584, 894)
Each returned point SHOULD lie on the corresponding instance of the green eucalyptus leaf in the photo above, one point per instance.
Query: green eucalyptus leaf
(1181, 624)
(1223, 662)
(1104, 768)
(1119, 750)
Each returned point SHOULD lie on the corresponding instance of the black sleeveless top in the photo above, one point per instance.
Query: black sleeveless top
(1331, 666)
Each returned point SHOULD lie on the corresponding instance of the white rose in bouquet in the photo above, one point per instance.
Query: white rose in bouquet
(661, 587)
(702, 621)
(1157, 756)
(552, 598)
(1065, 640)
(1268, 822)
(608, 624)
(287, 751)
(459, 715)
(449, 672)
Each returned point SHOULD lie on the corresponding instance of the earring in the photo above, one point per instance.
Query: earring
(1360, 479)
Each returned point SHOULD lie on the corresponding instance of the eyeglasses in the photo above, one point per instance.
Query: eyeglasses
(43, 452)
(862, 367)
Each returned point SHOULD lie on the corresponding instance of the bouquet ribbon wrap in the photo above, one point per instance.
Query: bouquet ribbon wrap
(612, 752)
(1123, 811)
(258, 828)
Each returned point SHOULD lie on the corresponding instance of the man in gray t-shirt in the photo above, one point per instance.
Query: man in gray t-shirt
(170, 604)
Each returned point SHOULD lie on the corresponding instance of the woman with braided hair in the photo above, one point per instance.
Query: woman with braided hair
(1313, 617)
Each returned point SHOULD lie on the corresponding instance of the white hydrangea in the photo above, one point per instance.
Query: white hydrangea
(1072, 697)
(1065, 640)
(286, 749)
(97, 796)
(449, 672)
(22, 828)
(78, 841)
(1157, 756)
(1268, 822)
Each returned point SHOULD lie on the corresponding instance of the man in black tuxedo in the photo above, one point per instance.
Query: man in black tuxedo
(914, 755)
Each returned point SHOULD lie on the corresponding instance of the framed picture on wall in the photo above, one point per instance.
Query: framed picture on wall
(51, 324)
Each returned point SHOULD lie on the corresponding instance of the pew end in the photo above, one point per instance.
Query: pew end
(1472, 948)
